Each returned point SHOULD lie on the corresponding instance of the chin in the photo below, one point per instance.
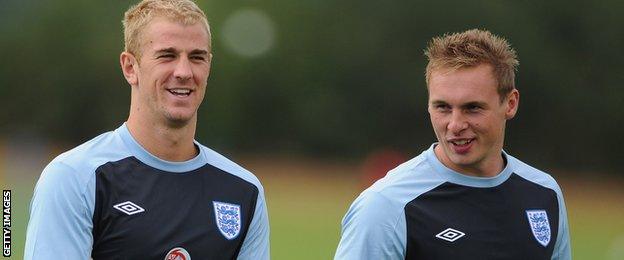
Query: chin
(177, 121)
(176, 124)
(464, 163)
(462, 160)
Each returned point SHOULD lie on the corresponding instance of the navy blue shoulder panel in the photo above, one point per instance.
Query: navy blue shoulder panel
(482, 222)
(142, 212)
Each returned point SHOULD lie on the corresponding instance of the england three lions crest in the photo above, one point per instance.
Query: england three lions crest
(538, 219)
(228, 219)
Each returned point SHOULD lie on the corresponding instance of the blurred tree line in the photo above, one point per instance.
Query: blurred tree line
(342, 79)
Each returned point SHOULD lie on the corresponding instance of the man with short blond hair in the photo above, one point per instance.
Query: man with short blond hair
(148, 190)
(464, 197)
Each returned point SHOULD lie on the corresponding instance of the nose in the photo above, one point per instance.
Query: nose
(457, 123)
(183, 69)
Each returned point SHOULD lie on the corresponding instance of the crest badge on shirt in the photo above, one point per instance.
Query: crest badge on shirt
(538, 220)
(228, 219)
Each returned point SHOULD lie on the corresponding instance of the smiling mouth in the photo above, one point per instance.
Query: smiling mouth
(180, 92)
(461, 146)
(461, 142)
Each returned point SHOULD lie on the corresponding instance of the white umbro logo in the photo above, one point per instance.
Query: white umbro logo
(129, 208)
(450, 235)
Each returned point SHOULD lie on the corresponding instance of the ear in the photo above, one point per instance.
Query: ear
(512, 101)
(429, 108)
(209, 63)
(129, 67)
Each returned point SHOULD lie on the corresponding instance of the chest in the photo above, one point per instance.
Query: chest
(512, 221)
(144, 213)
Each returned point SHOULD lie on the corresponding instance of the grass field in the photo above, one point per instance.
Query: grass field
(307, 199)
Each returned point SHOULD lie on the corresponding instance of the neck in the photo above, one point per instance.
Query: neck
(170, 143)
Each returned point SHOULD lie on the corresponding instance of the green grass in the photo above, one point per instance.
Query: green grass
(307, 200)
(305, 220)
(596, 215)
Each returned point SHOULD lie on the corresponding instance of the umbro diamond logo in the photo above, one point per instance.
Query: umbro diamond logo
(450, 235)
(129, 208)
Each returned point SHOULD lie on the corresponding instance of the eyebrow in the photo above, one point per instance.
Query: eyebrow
(464, 105)
(199, 52)
(474, 103)
(166, 50)
(173, 50)
(438, 102)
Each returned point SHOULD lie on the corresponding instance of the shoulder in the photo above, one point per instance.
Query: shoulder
(81, 161)
(104, 148)
(374, 226)
(63, 201)
(221, 162)
(534, 175)
(407, 181)
(390, 194)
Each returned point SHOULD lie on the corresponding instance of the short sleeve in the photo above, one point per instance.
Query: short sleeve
(256, 244)
(60, 220)
(373, 228)
(562, 250)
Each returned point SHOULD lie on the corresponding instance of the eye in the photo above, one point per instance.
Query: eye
(442, 107)
(200, 58)
(166, 56)
(473, 108)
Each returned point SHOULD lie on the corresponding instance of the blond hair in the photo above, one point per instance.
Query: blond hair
(140, 15)
(472, 48)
